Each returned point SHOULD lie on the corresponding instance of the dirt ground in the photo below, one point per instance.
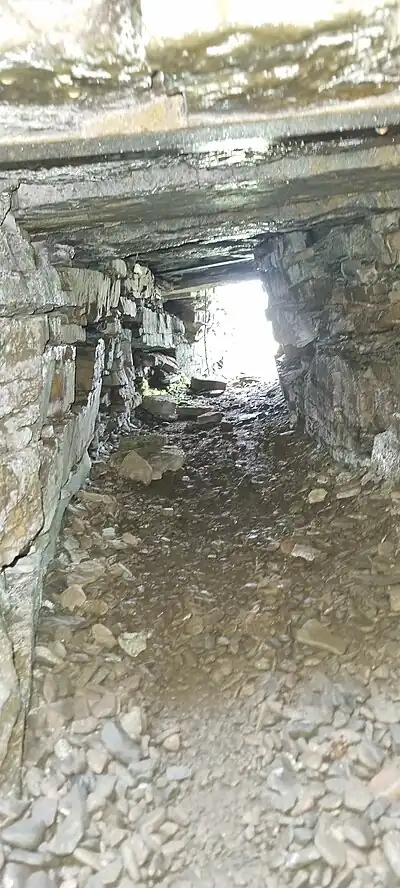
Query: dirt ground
(217, 695)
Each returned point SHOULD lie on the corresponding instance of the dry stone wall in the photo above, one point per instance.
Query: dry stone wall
(69, 341)
(334, 303)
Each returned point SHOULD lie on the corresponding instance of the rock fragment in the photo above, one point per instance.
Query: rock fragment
(316, 635)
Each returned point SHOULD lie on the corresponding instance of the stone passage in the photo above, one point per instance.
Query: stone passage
(74, 344)
(335, 308)
(216, 681)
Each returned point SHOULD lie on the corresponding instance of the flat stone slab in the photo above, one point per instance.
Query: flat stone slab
(189, 411)
(198, 385)
(159, 406)
(209, 419)
(316, 635)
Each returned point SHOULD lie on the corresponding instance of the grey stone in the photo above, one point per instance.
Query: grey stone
(31, 858)
(358, 831)
(45, 809)
(300, 880)
(391, 847)
(189, 411)
(357, 795)
(40, 879)
(304, 858)
(169, 459)
(329, 846)
(27, 834)
(15, 875)
(385, 711)
(140, 850)
(385, 457)
(204, 385)
(118, 744)
(160, 406)
(132, 722)
(386, 782)
(104, 788)
(71, 829)
(395, 735)
(315, 635)
(302, 728)
(10, 703)
(178, 773)
(135, 468)
(370, 755)
(133, 643)
(394, 595)
(211, 418)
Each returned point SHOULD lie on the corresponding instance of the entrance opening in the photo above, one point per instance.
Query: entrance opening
(235, 339)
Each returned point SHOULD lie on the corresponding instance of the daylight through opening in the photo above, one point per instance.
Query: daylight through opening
(235, 338)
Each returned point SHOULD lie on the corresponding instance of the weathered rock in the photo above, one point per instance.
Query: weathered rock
(317, 495)
(330, 848)
(386, 782)
(104, 788)
(40, 879)
(132, 723)
(394, 595)
(358, 831)
(103, 636)
(135, 468)
(385, 457)
(201, 385)
(118, 744)
(10, 703)
(15, 875)
(385, 710)
(71, 829)
(169, 459)
(316, 635)
(149, 457)
(178, 773)
(391, 847)
(72, 597)
(357, 795)
(306, 553)
(190, 411)
(133, 643)
(159, 406)
(26, 834)
(212, 418)
(172, 743)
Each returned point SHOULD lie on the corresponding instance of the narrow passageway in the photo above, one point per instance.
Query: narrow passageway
(216, 693)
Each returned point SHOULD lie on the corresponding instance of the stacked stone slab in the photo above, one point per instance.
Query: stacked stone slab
(334, 303)
(65, 349)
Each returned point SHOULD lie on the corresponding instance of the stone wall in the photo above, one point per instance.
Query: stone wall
(334, 303)
(70, 344)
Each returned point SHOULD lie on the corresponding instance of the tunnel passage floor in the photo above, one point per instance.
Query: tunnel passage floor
(246, 730)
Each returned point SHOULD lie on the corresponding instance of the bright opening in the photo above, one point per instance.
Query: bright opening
(235, 339)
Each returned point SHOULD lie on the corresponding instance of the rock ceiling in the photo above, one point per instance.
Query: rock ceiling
(184, 150)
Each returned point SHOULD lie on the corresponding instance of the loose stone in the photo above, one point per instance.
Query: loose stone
(315, 635)
(358, 831)
(26, 834)
(391, 847)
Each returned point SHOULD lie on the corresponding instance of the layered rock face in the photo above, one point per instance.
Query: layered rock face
(334, 303)
(72, 341)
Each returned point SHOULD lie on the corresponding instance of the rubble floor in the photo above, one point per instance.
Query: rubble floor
(216, 691)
